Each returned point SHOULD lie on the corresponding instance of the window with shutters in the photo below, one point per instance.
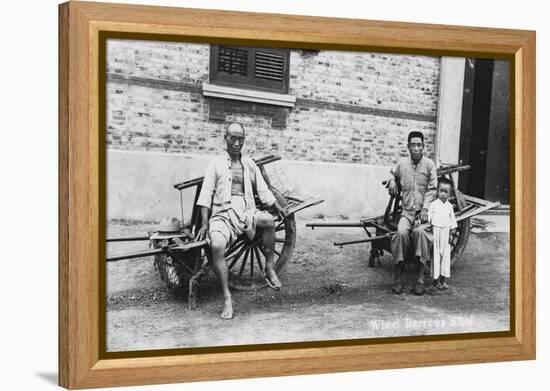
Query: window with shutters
(264, 69)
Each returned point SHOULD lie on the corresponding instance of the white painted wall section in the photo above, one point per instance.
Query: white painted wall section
(449, 116)
(140, 185)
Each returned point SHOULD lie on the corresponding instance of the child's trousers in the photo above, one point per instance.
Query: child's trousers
(441, 265)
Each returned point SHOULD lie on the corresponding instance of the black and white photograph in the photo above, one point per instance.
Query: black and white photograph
(268, 195)
(275, 195)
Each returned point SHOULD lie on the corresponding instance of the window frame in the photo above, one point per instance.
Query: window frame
(250, 81)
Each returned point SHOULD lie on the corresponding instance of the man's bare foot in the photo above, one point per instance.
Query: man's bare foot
(272, 279)
(227, 312)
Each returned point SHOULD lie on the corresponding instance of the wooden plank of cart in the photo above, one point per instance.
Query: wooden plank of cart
(182, 262)
(380, 229)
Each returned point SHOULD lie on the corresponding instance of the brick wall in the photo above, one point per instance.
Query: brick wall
(351, 107)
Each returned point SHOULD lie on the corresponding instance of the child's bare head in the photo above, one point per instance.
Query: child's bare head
(444, 189)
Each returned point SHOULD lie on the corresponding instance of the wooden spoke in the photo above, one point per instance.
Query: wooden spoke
(243, 277)
(257, 250)
(234, 248)
(277, 240)
(280, 226)
(236, 257)
(243, 264)
(252, 252)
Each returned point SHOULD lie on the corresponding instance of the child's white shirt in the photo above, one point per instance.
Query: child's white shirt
(442, 214)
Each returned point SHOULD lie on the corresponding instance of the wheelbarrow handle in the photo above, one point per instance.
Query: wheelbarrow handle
(371, 239)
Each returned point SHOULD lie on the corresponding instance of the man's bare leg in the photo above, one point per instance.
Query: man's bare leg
(267, 225)
(217, 246)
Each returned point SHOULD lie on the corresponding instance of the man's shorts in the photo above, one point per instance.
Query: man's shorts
(232, 224)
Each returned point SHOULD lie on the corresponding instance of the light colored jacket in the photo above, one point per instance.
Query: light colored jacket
(216, 187)
(442, 214)
(418, 183)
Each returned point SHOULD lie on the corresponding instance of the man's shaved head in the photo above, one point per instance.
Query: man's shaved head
(234, 128)
(234, 138)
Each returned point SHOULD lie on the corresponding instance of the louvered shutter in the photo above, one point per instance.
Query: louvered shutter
(247, 67)
(269, 66)
(233, 61)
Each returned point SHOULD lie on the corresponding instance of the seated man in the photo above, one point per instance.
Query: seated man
(228, 190)
(418, 178)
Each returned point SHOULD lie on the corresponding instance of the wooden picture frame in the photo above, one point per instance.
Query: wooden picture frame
(81, 186)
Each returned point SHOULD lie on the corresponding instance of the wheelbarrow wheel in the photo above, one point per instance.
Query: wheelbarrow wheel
(176, 272)
(461, 234)
(176, 279)
(246, 258)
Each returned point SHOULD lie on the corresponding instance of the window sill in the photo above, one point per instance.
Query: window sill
(269, 98)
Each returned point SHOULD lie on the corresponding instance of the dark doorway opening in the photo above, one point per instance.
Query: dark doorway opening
(484, 137)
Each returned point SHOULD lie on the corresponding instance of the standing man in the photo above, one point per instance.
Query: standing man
(228, 190)
(418, 179)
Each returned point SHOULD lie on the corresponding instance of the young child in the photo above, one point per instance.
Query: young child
(442, 218)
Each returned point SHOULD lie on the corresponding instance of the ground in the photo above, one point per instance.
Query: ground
(329, 294)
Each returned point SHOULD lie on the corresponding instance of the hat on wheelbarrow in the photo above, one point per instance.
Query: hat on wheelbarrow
(169, 224)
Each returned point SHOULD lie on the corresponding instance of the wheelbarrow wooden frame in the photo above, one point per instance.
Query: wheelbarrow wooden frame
(385, 226)
(182, 262)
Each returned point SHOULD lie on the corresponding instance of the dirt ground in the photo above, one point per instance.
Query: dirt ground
(328, 294)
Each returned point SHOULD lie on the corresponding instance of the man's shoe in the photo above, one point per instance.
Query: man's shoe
(419, 289)
(397, 289)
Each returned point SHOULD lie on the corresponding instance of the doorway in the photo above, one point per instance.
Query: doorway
(484, 133)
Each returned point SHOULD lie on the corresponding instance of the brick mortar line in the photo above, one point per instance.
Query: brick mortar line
(300, 102)
(318, 104)
(154, 83)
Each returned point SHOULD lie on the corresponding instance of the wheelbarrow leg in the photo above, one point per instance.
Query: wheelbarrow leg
(194, 283)
(374, 257)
